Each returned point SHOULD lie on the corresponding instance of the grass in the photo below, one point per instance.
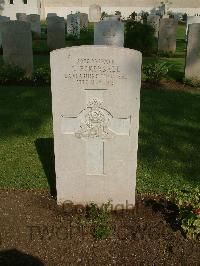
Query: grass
(169, 142)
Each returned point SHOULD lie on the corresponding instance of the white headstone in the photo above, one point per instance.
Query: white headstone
(2, 20)
(94, 13)
(73, 25)
(192, 20)
(55, 32)
(154, 21)
(109, 33)
(21, 16)
(83, 21)
(35, 25)
(17, 45)
(112, 17)
(167, 35)
(192, 69)
(95, 102)
(51, 15)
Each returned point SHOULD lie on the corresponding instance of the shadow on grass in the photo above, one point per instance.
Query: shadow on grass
(169, 210)
(180, 47)
(169, 140)
(45, 150)
(15, 258)
(24, 110)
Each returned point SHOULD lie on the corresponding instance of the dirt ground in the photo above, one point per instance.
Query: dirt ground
(35, 231)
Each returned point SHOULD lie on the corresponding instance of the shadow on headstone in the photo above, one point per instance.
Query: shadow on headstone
(45, 150)
(16, 258)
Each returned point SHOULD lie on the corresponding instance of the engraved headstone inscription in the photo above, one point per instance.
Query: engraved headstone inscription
(109, 32)
(95, 102)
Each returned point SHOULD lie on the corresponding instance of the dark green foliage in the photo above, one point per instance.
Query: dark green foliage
(139, 37)
(42, 75)
(155, 72)
(144, 16)
(188, 202)
(11, 74)
(103, 14)
(133, 15)
(118, 13)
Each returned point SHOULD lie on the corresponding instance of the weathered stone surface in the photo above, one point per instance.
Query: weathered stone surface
(83, 21)
(109, 33)
(94, 13)
(2, 20)
(55, 32)
(73, 25)
(192, 20)
(192, 69)
(17, 45)
(95, 101)
(51, 15)
(35, 25)
(167, 35)
(112, 17)
(154, 21)
(21, 16)
(165, 16)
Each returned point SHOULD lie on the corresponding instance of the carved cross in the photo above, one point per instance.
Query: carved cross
(94, 125)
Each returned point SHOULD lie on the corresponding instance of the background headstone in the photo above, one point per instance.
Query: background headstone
(112, 17)
(94, 13)
(192, 69)
(35, 25)
(21, 16)
(83, 21)
(51, 15)
(167, 35)
(55, 32)
(73, 25)
(95, 102)
(17, 45)
(2, 20)
(109, 33)
(165, 16)
(192, 20)
(154, 21)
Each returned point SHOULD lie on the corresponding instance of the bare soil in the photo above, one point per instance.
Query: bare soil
(35, 231)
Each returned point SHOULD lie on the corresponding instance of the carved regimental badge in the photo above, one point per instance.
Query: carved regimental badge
(95, 122)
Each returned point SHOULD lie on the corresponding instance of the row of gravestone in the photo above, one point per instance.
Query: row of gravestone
(166, 31)
(95, 105)
(109, 31)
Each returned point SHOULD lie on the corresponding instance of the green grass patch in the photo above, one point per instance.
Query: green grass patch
(168, 139)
